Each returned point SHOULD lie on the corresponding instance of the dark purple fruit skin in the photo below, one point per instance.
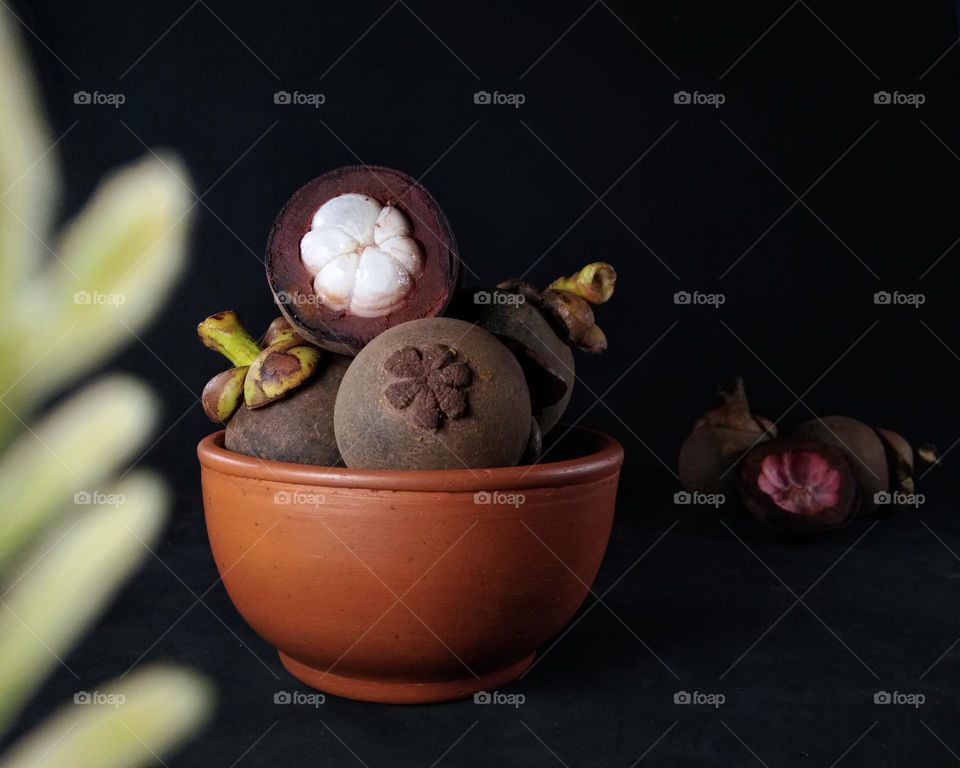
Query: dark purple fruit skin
(546, 359)
(338, 331)
(864, 449)
(374, 434)
(297, 428)
(767, 512)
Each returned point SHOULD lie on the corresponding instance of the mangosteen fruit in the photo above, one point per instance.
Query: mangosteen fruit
(277, 402)
(799, 485)
(359, 250)
(539, 328)
(298, 427)
(864, 448)
(546, 359)
(434, 393)
(720, 438)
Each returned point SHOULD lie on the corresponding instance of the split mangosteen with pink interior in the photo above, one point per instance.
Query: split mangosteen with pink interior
(357, 251)
(820, 477)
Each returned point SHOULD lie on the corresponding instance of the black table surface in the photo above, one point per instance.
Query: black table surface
(785, 646)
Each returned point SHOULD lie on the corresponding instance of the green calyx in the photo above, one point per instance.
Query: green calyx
(282, 366)
(223, 394)
(259, 376)
(594, 283)
(224, 333)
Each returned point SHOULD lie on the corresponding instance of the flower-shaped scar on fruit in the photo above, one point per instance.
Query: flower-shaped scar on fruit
(357, 251)
(361, 255)
(431, 384)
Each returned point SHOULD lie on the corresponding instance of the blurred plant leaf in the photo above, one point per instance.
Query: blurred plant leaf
(83, 441)
(72, 576)
(61, 316)
(160, 705)
(121, 255)
(28, 176)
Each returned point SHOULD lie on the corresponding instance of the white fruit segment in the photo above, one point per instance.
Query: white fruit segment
(361, 256)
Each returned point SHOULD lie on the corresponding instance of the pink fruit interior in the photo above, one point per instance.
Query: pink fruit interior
(800, 482)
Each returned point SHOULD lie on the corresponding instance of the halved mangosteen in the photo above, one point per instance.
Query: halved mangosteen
(799, 485)
(357, 251)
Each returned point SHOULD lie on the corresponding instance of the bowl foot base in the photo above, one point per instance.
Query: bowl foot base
(402, 692)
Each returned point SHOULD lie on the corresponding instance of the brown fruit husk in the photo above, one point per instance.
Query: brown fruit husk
(762, 506)
(865, 450)
(546, 359)
(900, 459)
(534, 449)
(297, 428)
(719, 439)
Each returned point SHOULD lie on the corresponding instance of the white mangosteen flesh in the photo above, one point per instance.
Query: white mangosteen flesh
(361, 256)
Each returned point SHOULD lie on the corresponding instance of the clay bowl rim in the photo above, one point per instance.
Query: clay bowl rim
(603, 459)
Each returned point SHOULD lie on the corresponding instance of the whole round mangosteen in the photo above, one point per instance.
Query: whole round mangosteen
(719, 439)
(359, 250)
(298, 427)
(436, 393)
(277, 402)
(799, 485)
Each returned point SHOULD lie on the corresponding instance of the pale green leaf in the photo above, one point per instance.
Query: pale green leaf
(28, 178)
(137, 721)
(80, 443)
(121, 256)
(68, 580)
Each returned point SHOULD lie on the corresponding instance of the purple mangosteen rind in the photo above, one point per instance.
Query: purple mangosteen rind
(291, 282)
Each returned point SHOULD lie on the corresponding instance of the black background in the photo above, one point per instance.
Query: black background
(700, 211)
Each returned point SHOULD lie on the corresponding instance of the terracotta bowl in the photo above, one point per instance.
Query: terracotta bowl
(403, 586)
